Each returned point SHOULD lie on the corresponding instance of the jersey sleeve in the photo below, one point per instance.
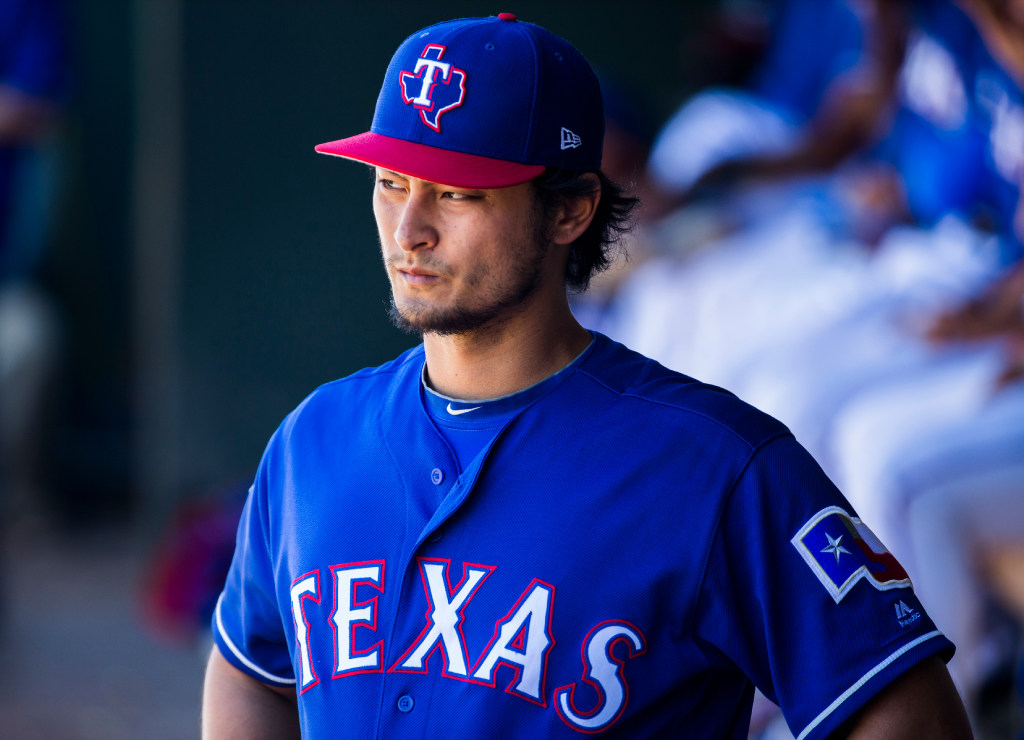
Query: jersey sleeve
(246, 623)
(803, 599)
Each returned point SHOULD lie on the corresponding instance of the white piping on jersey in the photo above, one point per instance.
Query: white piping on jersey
(864, 679)
(238, 653)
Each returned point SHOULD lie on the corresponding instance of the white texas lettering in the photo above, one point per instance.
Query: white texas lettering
(444, 618)
(522, 640)
(432, 66)
(350, 613)
(603, 671)
(305, 587)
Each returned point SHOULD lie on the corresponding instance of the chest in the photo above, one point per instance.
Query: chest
(537, 581)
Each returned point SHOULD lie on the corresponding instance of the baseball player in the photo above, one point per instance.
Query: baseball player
(520, 528)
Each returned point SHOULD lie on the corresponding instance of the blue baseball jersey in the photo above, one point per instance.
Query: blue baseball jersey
(631, 554)
(811, 44)
(958, 136)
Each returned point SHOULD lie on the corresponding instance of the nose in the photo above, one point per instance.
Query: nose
(415, 228)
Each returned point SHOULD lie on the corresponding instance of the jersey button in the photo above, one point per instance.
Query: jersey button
(434, 537)
(436, 476)
(405, 703)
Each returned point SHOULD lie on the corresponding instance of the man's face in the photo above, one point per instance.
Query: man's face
(459, 259)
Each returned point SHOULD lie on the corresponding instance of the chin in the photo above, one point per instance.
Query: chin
(433, 320)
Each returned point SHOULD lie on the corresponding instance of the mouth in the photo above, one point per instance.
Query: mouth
(417, 275)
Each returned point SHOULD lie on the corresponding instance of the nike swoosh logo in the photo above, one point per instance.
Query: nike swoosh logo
(456, 412)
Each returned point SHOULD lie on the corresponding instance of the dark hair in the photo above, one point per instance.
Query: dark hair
(594, 250)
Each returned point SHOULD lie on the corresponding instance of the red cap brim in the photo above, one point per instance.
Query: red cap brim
(430, 163)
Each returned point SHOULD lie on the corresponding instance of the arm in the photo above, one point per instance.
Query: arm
(237, 706)
(921, 703)
(852, 113)
(996, 311)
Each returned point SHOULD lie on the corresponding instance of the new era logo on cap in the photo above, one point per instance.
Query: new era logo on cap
(570, 140)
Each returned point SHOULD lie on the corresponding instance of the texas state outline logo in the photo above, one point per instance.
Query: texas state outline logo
(841, 550)
(434, 86)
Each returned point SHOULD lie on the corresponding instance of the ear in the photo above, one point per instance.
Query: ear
(575, 214)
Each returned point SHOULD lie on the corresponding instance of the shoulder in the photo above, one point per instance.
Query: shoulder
(652, 392)
(404, 368)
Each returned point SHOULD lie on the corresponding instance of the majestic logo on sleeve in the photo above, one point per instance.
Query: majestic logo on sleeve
(434, 86)
(841, 550)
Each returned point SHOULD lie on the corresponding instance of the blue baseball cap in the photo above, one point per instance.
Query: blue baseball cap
(483, 103)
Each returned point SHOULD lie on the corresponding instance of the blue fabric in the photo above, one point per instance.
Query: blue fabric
(33, 47)
(943, 171)
(620, 558)
(812, 43)
(959, 168)
(511, 92)
(468, 426)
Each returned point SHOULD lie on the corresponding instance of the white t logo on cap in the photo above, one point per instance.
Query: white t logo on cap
(428, 79)
(425, 72)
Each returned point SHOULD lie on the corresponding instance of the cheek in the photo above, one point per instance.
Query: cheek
(473, 278)
(384, 215)
(386, 239)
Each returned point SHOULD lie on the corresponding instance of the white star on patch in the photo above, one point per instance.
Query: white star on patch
(835, 547)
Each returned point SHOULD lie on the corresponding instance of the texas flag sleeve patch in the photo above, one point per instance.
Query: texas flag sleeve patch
(840, 550)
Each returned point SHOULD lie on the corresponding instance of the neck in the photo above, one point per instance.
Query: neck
(505, 357)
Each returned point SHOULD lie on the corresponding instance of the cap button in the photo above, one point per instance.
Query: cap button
(507, 16)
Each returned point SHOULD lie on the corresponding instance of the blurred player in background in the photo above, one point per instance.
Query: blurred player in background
(872, 301)
(34, 83)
